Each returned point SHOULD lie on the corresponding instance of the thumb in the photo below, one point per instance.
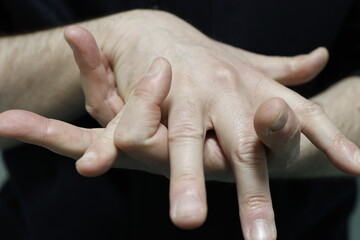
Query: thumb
(294, 70)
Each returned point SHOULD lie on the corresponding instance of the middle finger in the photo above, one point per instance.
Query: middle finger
(248, 160)
(186, 143)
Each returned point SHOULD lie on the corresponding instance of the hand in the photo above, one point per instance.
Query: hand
(65, 135)
(103, 103)
(220, 125)
(181, 114)
(49, 132)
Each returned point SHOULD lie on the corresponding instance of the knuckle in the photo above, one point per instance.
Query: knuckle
(48, 133)
(262, 84)
(249, 151)
(184, 123)
(185, 176)
(142, 93)
(254, 201)
(185, 131)
(224, 72)
(338, 140)
(107, 139)
(225, 76)
(311, 109)
(127, 142)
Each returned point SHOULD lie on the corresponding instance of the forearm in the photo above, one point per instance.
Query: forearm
(38, 72)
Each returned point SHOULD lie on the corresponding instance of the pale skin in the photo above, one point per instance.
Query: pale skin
(184, 129)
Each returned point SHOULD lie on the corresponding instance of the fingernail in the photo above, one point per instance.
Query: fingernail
(261, 230)
(187, 206)
(156, 67)
(279, 122)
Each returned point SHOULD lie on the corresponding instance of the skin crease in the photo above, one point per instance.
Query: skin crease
(223, 60)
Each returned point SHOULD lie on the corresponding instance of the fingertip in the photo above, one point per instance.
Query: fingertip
(349, 160)
(163, 62)
(321, 52)
(167, 70)
(89, 165)
(306, 67)
(188, 211)
(74, 32)
(262, 229)
(320, 56)
(270, 116)
(85, 49)
(160, 66)
(157, 80)
(70, 31)
(303, 68)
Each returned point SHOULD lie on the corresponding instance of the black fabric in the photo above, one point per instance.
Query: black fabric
(46, 199)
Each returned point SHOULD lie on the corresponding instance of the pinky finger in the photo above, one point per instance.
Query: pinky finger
(57, 136)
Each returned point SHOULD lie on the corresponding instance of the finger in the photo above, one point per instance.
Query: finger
(320, 130)
(101, 154)
(186, 142)
(97, 78)
(279, 129)
(248, 159)
(57, 136)
(139, 132)
(291, 71)
(136, 129)
(216, 165)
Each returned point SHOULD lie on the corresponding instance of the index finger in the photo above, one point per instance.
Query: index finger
(57, 136)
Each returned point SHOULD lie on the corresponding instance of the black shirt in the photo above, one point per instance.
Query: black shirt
(45, 198)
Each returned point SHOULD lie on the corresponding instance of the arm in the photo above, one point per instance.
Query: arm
(27, 81)
(38, 72)
(191, 113)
